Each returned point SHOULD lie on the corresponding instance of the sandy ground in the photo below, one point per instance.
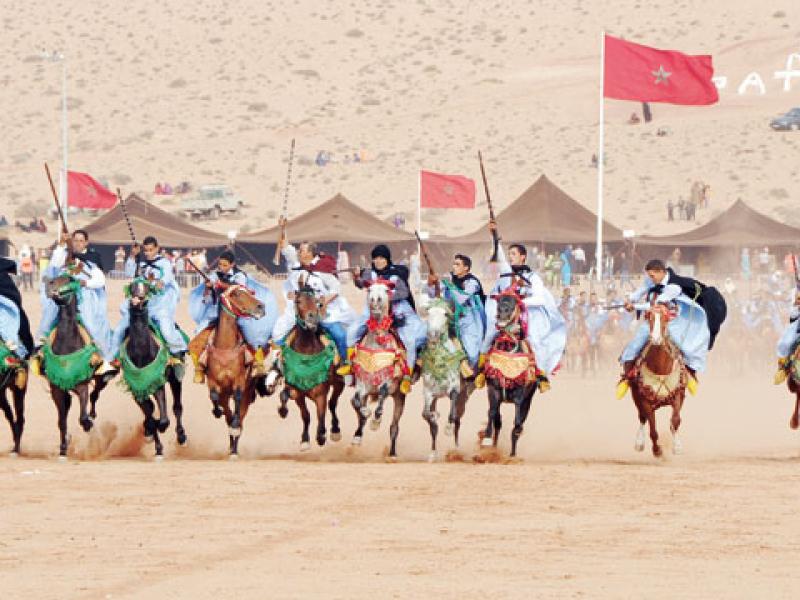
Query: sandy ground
(579, 514)
(213, 92)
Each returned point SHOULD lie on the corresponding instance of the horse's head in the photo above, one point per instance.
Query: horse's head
(242, 302)
(439, 316)
(62, 289)
(509, 308)
(379, 296)
(658, 318)
(307, 308)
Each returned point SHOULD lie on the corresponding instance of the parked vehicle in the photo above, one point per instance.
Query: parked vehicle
(789, 121)
(211, 201)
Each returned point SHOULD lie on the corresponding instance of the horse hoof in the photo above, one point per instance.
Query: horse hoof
(657, 452)
(62, 458)
(321, 441)
(375, 424)
(217, 412)
(86, 424)
(639, 446)
(305, 447)
(158, 458)
(365, 412)
(149, 439)
(794, 423)
(233, 457)
(677, 447)
(235, 431)
(336, 437)
(182, 438)
(433, 457)
(13, 454)
(448, 429)
(283, 412)
(486, 442)
(163, 425)
(356, 441)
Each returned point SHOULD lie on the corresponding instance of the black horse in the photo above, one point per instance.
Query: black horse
(14, 380)
(141, 349)
(510, 345)
(66, 342)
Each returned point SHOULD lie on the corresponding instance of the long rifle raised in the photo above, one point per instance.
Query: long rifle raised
(495, 235)
(437, 286)
(276, 260)
(61, 218)
(194, 266)
(796, 274)
(124, 209)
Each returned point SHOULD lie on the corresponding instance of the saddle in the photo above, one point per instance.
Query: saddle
(660, 390)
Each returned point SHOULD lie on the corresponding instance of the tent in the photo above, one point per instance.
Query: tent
(737, 226)
(170, 230)
(544, 213)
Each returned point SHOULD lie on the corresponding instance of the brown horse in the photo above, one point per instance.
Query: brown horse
(228, 368)
(378, 364)
(793, 383)
(65, 346)
(659, 379)
(309, 370)
(579, 345)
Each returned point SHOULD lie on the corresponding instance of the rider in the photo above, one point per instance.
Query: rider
(204, 308)
(310, 268)
(87, 268)
(410, 328)
(157, 269)
(547, 329)
(788, 341)
(15, 329)
(465, 292)
(690, 330)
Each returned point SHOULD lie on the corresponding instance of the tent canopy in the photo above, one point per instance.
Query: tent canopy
(739, 225)
(170, 230)
(337, 220)
(544, 213)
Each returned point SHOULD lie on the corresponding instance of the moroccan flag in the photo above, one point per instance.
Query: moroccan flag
(83, 191)
(644, 74)
(446, 191)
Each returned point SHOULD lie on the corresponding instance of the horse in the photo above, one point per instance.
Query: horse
(793, 383)
(69, 359)
(579, 344)
(14, 379)
(146, 369)
(379, 365)
(228, 371)
(309, 362)
(660, 379)
(441, 372)
(510, 369)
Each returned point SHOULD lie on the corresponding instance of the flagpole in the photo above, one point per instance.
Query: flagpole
(419, 210)
(600, 160)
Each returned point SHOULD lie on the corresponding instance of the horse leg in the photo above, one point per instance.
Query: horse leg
(639, 443)
(150, 427)
(338, 387)
(494, 409)
(794, 422)
(12, 422)
(235, 428)
(522, 408)
(429, 414)
(651, 419)
(321, 401)
(176, 388)
(163, 415)
(362, 419)
(461, 407)
(305, 439)
(284, 397)
(83, 397)
(99, 385)
(216, 409)
(675, 423)
(383, 393)
(399, 405)
(63, 401)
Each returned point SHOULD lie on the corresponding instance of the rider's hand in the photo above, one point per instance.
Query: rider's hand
(209, 285)
(432, 280)
(628, 306)
(160, 285)
(357, 272)
(64, 238)
(82, 283)
(290, 295)
(492, 225)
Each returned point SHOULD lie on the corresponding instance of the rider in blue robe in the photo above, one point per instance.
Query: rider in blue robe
(464, 292)
(162, 306)
(204, 310)
(410, 328)
(15, 329)
(788, 340)
(92, 301)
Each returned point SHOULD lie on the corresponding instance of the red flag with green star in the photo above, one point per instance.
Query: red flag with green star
(644, 74)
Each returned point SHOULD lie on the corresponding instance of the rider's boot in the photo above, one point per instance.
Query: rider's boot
(346, 367)
(405, 384)
(628, 373)
(105, 368)
(480, 378)
(781, 373)
(466, 371)
(691, 382)
(259, 368)
(21, 378)
(199, 369)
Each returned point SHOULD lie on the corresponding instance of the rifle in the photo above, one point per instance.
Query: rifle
(64, 229)
(495, 235)
(276, 260)
(194, 266)
(130, 229)
(796, 275)
(437, 290)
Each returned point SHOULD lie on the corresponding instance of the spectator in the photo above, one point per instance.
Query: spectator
(159, 189)
(745, 264)
(594, 160)
(634, 119)
(764, 260)
(168, 189)
(44, 262)
(670, 210)
(119, 259)
(130, 262)
(681, 209)
(580, 260)
(26, 270)
(3, 221)
(566, 266)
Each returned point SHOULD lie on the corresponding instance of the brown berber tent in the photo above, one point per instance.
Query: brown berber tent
(336, 220)
(170, 230)
(739, 225)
